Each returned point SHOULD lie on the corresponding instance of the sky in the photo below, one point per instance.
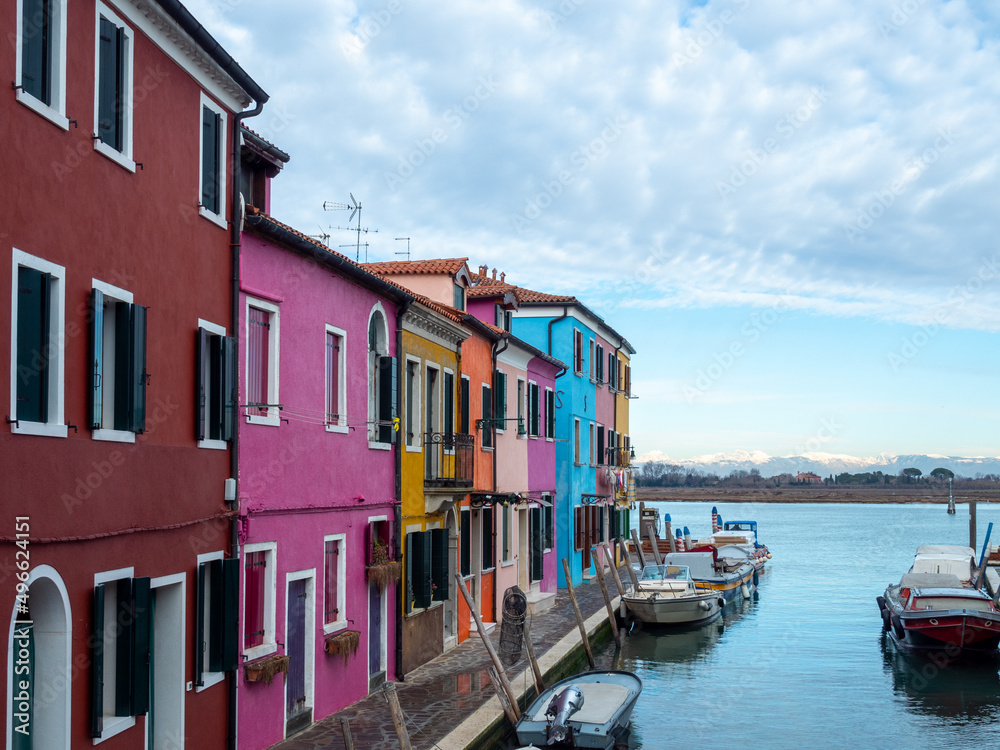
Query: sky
(789, 209)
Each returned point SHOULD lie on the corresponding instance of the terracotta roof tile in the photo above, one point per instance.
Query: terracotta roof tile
(487, 286)
(435, 265)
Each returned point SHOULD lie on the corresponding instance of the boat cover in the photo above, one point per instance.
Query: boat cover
(600, 702)
(945, 549)
(930, 581)
(944, 558)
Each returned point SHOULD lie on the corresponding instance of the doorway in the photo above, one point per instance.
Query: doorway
(299, 648)
(165, 718)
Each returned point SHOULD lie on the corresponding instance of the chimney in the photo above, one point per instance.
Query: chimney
(502, 274)
(494, 274)
(482, 270)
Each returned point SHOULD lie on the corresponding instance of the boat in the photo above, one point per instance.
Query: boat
(743, 534)
(588, 710)
(935, 609)
(725, 570)
(667, 595)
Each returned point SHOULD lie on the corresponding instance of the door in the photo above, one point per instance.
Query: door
(297, 713)
(375, 669)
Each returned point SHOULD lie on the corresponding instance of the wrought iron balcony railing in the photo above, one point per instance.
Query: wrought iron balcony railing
(448, 459)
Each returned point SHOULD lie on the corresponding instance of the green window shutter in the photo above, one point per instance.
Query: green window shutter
(200, 634)
(387, 385)
(96, 358)
(465, 543)
(210, 160)
(201, 370)
(33, 294)
(487, 417)
(534, 410)
(123, 647)
(409, 569)
(547, 514)
(97, 664)
(229, 640)
(137, 330)
(601, 453)
(229, 394)
(36, 49)
(215, 623)
(440, 567)
(463, 417)
(109, 84)
(141, 645)
(536, 544)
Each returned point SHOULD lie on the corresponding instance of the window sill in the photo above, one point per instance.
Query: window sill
(343, 429)
(219, 221)
(211, 678)
(334, 627)
(116, 156)
(487, 449)
(550, 440)
(269, 421)
(42, 429)
(486, 570)
(215, 445)
(114, 436)
(508, 563)
(265, 649)
(375, 446)
(414, 449)
(39, 107)
(114, 725)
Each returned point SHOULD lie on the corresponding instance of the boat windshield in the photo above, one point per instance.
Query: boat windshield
(665, 573)
(952, 602)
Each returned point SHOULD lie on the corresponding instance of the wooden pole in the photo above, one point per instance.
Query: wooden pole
(389, 688)
(502, 695)
(656, 547)
(628, 564)
(638, 548)
(972, 523)
(535, 671)
(489, 646)
(576, 611)
(669, 533)
(345, 726)
(607, 602)
(614, 570)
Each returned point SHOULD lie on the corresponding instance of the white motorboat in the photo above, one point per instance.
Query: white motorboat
(667, 595)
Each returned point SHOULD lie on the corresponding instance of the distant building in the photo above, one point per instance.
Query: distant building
(807, 477)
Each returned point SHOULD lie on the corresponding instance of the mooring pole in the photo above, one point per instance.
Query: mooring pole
(972, 523)
(508, 709)
(576, 612)
(607, 602)
(657, 557)
(529, 647)
(614, 570)
(638, 548)
(389, 688)
(345, 726)
(628, 564)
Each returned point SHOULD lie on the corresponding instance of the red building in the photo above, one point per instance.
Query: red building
(117, 448)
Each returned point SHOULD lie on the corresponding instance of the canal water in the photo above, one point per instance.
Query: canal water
(804, 664)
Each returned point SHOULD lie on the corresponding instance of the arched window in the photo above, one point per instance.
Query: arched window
(381, 380)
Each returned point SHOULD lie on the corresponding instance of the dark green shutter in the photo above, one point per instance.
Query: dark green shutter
(601, 454)
(36, 49)
(420, 564)
(96, 358)
(387, 385)
(500, 398)
(547, 515)
(123, 366)
(229, 642)
(33, 292)
(124, 653)
(487, 417)
(463, 418)
(440, 567)
(109, 84)
(536, 544)
(201, 369)
(137, 349)
(229, 395)
(97, 664)
(534, 409)
(141, 645)
(210, 160)
(200, 634)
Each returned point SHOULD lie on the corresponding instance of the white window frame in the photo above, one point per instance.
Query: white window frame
(538, 416)
(56, 426)
(208, 678)
(577, 453)
(111, 435)
(112, 725)
(545, 427)
(218, 445)
(506, 535)
(439, 422)
(592, 448)
(124, 157)
(269, 646)
(547, 497)
(341, 425)
(417, 398)
(372, 381)
(341, 622)
(456, 406)
(56, 112)
(216, 218)
(273, 344)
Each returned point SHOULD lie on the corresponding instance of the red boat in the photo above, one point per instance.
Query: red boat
(936, 611)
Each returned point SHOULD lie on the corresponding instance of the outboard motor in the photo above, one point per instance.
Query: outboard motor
(561, 707)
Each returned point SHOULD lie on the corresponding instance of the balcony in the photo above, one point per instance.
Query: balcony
(620, 457)
(448, 460)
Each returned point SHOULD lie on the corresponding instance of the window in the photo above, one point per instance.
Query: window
(216, 400)
(576, 441)
(432, 400)
(591, 363)
(118, 358)
(427, 568)
(487, 417)
(577, 352)
(412, 403)
(601, 454)
(38, 294)
(259, 582)
(459, 297)
(449, 403)
(41, 58)
(212, 182)
(536, 537)
(262, 363)
(120, 652)
(336, 380)
(216, 650)
(547, 516)
(533, 420)
(521, 404)
(382, 384)
(579, 528)
(465, 542)
(592, 445)
(334, 573)
(500, 400)
(599, 363)
(628, 380)
(498, 315)
(463, 406)
(505, 536)
(612, 371)
(488, 548)
(550, 414)
(113, 89)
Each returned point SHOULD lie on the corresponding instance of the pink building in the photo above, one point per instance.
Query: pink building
(318, 493)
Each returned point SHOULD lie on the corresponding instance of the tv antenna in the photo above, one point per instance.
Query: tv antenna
(322, 237)
(407, 253)
(355, 209)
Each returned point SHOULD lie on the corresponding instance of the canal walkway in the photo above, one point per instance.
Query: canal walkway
(449, 702)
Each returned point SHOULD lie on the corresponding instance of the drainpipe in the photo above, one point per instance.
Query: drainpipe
(235, 222)
(397, 541)
(552, 323)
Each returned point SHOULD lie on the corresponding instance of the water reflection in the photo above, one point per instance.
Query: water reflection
(966, 692)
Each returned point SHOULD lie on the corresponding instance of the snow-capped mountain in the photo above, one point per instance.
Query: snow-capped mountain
(825, 464)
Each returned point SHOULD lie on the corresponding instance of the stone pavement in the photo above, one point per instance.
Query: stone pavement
(439, 695)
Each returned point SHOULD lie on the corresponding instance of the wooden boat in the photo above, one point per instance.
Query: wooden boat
(667, 595)
(588, 710)
(936, 610)
(726, 571)
(744, 535)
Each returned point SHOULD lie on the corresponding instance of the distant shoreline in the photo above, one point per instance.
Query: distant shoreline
(813, 494)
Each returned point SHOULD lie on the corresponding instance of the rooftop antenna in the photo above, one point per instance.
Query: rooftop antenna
(322, 237)
(355, 209)
(364, 245)
(407, 253)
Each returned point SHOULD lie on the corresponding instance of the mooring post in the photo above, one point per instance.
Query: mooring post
(972, 522)
(614, 569)
(638, 548)
(576, 612)
(489, 646)
(656, 547)
(345, 726)
(508, 709)
(628, 564)
(607, 603)
(529, 647)
(389, 689)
